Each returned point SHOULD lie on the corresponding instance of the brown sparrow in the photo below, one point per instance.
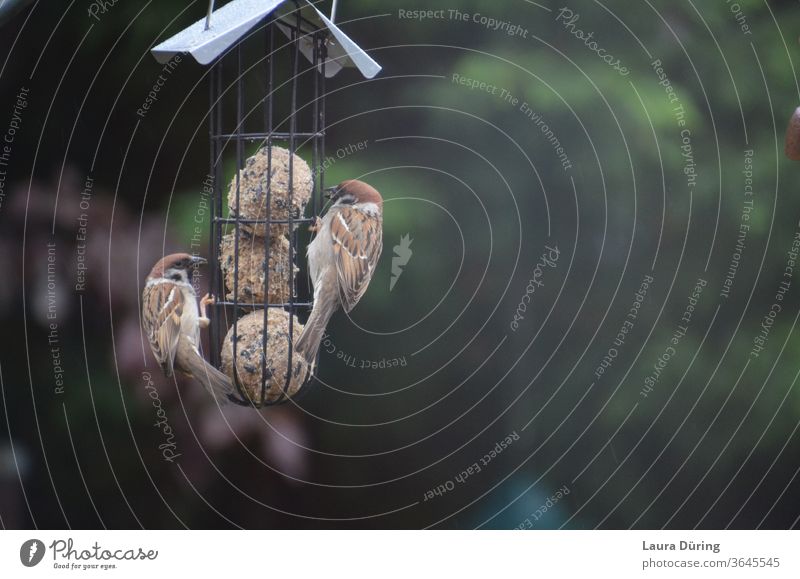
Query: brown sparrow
(172, 322)
(342, 257)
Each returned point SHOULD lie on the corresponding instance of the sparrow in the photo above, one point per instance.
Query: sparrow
(172, 322)
(792, 147)
(341, 258)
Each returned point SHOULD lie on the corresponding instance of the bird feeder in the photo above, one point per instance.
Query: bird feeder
(268, 64)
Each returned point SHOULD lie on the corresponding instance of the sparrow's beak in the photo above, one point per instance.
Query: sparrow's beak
(197, 260)
(328, 192)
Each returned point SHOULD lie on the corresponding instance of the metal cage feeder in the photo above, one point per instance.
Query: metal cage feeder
(288, 49)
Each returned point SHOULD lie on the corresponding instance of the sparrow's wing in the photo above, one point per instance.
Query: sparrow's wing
(357, 243)
(161, 317)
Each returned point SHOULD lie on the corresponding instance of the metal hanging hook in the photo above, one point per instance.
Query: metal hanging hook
(210, 10)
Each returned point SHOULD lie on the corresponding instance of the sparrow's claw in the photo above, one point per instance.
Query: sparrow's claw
(205, 301)
(314, 227)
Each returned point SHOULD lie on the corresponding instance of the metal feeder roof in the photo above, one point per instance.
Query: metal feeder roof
(231, 22)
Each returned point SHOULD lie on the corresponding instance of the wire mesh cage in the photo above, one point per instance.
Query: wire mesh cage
(280, 71)
(269, 60)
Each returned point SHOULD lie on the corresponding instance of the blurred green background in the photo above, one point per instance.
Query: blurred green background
(474, 177)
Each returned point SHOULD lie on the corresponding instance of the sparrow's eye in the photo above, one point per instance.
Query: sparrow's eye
(176, 276)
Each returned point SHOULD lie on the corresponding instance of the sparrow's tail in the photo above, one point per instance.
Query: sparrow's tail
(217, 383)
(307, 344)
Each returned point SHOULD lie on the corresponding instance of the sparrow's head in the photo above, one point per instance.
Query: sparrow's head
(354, 191)
(175, 267)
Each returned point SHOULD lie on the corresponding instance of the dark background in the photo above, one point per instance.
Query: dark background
(480, 189)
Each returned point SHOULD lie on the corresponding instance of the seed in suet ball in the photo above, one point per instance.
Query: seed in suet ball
(254, 183)
(250, 356)
(252, 276)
